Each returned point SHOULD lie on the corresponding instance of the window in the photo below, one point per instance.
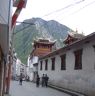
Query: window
(46, 64)
(94, 47)
(41, 65)
(53, 63)
(78, 59)
(63, 62)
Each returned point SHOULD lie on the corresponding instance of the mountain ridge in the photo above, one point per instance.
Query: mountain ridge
(36, 28)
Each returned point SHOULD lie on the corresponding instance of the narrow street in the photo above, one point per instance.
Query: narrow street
(29, 89)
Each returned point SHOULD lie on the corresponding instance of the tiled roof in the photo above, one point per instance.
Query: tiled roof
(76, 43)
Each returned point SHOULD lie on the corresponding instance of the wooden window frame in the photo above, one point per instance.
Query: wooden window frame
(41, 65)
(46, 64)
(63, 62)
(78, 59)
(94, 47)
(53, 63)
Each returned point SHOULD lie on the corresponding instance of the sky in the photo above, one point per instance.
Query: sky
(76, 14)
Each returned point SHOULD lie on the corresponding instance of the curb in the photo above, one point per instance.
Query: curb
(7, 95)
(72, 93)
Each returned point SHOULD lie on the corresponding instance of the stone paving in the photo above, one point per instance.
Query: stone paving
(30, 89)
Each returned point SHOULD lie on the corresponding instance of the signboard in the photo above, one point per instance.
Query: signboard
(16, 2)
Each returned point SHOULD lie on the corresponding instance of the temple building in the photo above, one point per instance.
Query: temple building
(73, 66)
(41, 47)
(72, 37)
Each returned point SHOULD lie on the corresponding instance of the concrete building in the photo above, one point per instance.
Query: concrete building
(7, 23)
(23, 69)
(5, 39)
(73, 66)
(18, 63)
(14, 65)
(34, 67)
(20, 68)
(30, 69)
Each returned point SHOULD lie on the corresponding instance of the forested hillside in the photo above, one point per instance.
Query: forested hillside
(26, 33)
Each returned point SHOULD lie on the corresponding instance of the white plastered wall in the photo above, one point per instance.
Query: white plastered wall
(78, 80)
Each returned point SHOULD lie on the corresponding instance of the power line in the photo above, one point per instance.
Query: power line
(23, 50)
(24, 27)
(21, 29)
(70, 5)
(84, 7)
(80, 9)
(25, 46)
(25, 23)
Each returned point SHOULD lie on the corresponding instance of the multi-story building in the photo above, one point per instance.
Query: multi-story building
(29, 70)
(18, 67)
(23, 69)
(5, 39)
(14, 65)
(7, 23)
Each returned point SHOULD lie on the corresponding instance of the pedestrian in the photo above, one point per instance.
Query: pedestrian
(21, 79)
(27, 78)
(43, 80)
(46, 80)
(37, 81)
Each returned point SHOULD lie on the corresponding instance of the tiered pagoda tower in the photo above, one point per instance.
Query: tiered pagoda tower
(42, 47)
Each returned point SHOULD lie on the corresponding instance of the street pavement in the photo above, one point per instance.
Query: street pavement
(30, 89)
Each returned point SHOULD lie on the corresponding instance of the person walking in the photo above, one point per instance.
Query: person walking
(37, 81)
(21, 79)
(43, 81)
(46, 80)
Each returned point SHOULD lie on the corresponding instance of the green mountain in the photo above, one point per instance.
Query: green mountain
(31, 29)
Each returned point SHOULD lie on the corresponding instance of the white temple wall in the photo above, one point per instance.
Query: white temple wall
(82, 80)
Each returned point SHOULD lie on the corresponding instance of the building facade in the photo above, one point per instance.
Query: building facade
(14, 65)
(41, 47)
(32, 68)
(23, 70)
(18, 63)
(5, 39)
(73, 66)
(7, 23)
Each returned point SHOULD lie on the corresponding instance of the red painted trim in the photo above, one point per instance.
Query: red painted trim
(16, 14)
